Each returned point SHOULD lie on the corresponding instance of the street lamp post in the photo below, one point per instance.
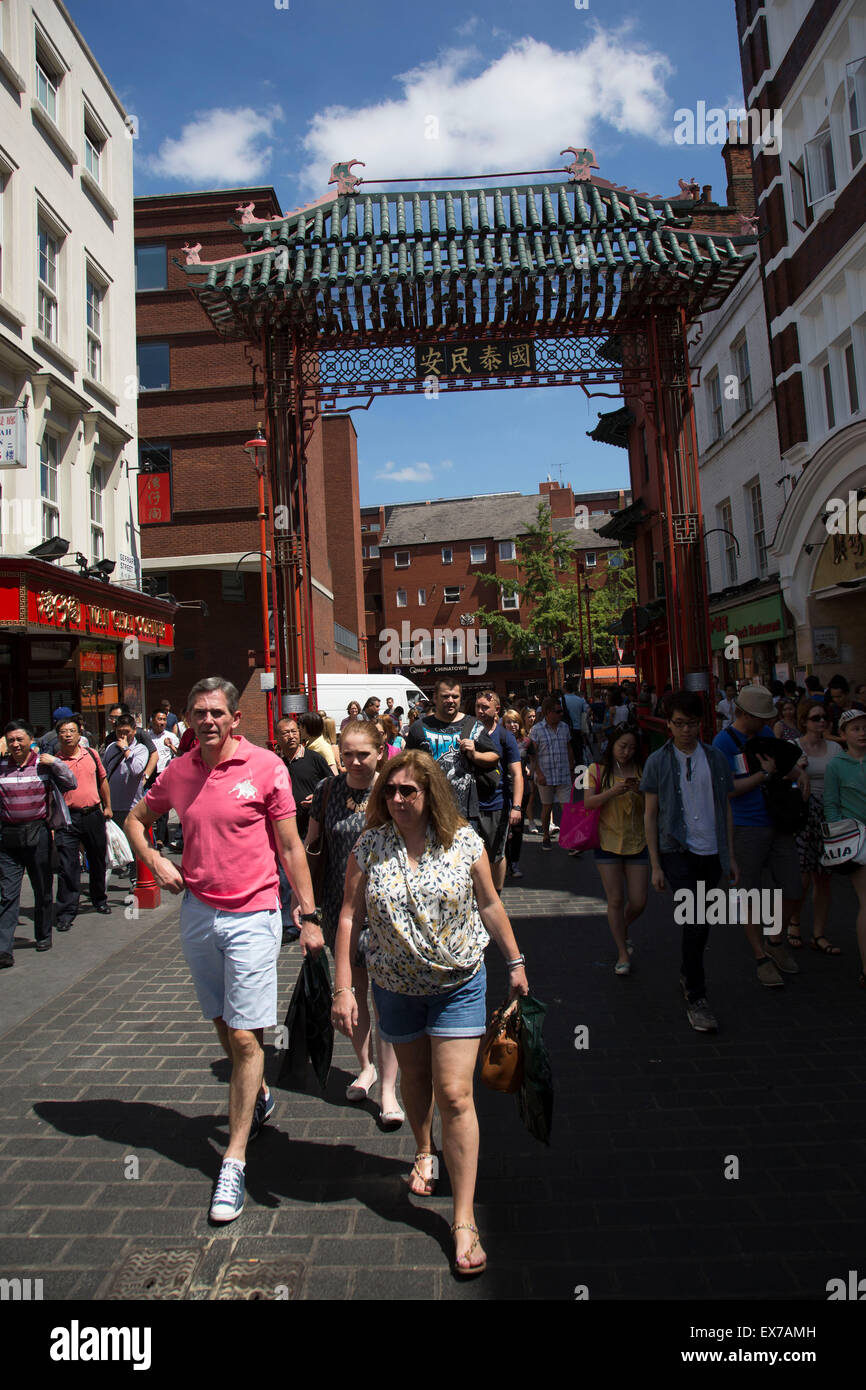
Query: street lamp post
(257, 450)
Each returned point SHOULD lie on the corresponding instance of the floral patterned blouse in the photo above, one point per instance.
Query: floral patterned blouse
(426, 933)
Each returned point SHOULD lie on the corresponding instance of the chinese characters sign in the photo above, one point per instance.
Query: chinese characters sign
(51, 610)
(13, 452)
(154, 498)
(474, 359)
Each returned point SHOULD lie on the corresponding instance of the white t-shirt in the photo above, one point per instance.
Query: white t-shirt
(698, 805)
(166, 746)
(726, 709)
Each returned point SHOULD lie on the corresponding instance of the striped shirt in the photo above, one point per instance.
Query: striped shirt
(23, 793)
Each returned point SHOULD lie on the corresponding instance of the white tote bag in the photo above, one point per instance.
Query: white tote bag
(118, 852)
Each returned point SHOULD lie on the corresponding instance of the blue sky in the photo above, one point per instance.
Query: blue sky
(234, 92)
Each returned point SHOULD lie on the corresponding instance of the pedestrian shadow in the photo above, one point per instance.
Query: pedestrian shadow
(296, 1171)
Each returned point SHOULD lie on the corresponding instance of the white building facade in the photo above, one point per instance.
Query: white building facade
(79, 627)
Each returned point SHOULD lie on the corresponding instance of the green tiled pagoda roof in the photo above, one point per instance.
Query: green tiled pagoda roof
(561, 255)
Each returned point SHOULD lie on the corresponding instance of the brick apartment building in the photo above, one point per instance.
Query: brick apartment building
(422, 566)
(200, 400)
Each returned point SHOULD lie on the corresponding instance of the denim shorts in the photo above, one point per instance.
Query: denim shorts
(607, 856)
(232, 958)
(456, 1013)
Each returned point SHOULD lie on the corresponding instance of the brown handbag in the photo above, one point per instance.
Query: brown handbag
(317, 852)
(501, 1050)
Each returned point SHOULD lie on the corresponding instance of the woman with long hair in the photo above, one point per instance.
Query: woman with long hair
(622, 857)
(787, 726)
(389, 731)
(353, 709)
(312, 728)
(329, 734)
(363, 751)
(422, 877)
(818, 752)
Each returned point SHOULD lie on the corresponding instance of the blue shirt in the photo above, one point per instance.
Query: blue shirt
(509, 752)
(575, 705)
(751, 807)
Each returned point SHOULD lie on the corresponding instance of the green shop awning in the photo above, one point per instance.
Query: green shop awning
(762, 620)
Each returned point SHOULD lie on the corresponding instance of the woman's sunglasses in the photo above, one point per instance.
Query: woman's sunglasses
(404, 793)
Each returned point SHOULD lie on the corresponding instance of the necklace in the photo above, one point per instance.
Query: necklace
(351, 797)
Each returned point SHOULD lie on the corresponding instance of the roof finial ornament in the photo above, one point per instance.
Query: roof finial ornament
(748, 225)
(342, 176)
(691, 189)
(584, 160)
(247, 212)
(191, 253)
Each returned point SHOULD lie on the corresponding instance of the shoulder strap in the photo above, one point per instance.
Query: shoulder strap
(93, 756)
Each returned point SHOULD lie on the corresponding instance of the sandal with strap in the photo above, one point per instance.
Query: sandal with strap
(827, 948)
(794, 939)
(467, 1271)
(415, 1172)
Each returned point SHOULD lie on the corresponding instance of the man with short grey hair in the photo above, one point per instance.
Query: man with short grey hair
(238, 815)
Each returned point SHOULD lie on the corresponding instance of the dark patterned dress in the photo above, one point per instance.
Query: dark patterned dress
(342, 827)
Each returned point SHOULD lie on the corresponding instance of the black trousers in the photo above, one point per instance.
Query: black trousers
(36, 862)
(87, 831)
(683, 869)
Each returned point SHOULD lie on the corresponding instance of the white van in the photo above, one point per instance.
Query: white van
(334, 693)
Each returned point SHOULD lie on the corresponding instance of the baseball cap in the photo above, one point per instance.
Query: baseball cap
(849, 715)
(62, 712)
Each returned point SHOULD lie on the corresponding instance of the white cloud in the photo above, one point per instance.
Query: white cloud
(219, 146)
(517, 112)
(413, 473)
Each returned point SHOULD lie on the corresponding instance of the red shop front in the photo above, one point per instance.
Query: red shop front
(69, 640)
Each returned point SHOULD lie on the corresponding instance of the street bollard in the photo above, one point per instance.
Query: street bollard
(146, 888)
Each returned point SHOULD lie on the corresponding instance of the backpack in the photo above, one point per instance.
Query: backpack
(786, 808)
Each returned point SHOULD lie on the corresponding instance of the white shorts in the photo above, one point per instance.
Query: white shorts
(232, 957)
(550, 794)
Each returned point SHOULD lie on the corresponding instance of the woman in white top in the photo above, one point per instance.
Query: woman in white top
(818, 752)
(421, 877)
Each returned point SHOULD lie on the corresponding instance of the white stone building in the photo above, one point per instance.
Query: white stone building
(67, 377)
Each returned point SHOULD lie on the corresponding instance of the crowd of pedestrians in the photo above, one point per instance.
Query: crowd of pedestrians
(417, 816)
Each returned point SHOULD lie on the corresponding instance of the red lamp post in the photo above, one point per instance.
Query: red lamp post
(257, 450)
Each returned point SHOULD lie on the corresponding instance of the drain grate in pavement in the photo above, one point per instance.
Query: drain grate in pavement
(154, 1274)
(271, 1279)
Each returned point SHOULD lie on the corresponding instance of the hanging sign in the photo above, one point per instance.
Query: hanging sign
(154, 498)
(474, 359)
(13, 438)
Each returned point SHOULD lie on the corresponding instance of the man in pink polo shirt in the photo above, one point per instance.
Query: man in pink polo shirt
(238, 814)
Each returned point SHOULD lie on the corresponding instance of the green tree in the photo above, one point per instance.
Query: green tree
(607, 605)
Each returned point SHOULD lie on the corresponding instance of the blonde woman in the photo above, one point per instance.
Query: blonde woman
(421, 876)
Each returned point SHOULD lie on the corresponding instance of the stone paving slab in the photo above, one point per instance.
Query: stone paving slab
(112, 1119)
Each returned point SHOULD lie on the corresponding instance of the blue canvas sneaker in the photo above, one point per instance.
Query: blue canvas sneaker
(265, 1107)
(228, 1197)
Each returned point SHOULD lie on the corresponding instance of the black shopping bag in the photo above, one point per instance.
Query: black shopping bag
(308, 1023)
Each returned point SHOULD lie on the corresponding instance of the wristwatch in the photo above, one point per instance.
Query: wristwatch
(313, 916)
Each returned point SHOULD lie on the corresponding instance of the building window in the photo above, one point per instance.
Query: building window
(452, 593)
(422, 597)
(406, 651)
(801, 213)
(851, 377)
(829, 407)
(401, 598)
(49, 481)
(155, 458)
(477, 554)
(150, 268)
(506, 550)
(447, 555)
(820, 168)
(97, 533)
(94, 148)
(743, 371)
(590, 559)
(714, 388)
(758, 527)
(232, 586)
(510, 602)
(48, 250)
(726, 521)
(48, 77)
(401, 559)
(363, 552)
(855, 90)
(374, 552)
(94, 295)
(154, 366)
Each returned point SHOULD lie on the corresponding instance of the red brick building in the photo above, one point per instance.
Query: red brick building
(200, 400)
(422, 567)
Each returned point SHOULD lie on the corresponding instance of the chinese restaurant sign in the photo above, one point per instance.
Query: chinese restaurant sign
(474, 359)
(64, 612)
(13, 448)
(154, 498)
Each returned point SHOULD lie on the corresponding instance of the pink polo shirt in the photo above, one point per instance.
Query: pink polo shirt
(229, 850)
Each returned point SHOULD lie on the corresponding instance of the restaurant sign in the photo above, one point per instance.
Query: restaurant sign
(762, 620)
(44, 609)
(154, 498)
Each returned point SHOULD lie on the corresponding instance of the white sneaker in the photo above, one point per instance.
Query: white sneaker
(228, 1197)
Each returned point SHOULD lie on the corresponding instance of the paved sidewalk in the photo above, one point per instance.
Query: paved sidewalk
(116, 1073)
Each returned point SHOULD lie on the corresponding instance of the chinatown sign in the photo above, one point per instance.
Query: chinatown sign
(154, 498)
(61, 611)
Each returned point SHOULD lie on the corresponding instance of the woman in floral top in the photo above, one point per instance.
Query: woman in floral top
(421, 877)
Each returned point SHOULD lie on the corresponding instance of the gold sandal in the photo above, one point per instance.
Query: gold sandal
(415, 1171)
(465, 1271)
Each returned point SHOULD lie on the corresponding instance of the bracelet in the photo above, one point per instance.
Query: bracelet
(342, 990)
(513, 964)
